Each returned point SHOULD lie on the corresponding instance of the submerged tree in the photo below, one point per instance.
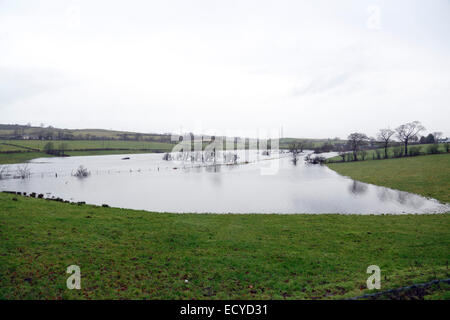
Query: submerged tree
(82, 172)
(296, 148)
(23, 172)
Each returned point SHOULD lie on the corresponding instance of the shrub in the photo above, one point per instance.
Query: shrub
(414, 151)
(167, 156)
(315, 160)
(398, 152)
(362, 154)
(49, 148)
(81, 172)
(433, 149)
(378, 153)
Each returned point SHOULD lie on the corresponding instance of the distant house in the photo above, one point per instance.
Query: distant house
(445, 140)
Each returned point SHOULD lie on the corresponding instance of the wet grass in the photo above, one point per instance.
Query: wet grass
(20, 157)
(425, 175)
(126, 254)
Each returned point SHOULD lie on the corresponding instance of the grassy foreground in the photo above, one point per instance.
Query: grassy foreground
(426, 175)
(142, 255)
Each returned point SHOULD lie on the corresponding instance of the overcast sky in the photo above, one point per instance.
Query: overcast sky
(318, 68)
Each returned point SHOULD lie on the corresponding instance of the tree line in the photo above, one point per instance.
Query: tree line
(406, 134)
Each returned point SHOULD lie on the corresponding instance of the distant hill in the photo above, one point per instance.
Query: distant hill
(16, 131)
(27, 132)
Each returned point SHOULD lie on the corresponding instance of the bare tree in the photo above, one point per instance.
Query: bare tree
(385, 136)
(23, 171)
(295, 148)
(407, 132)
(355, 141)
(82, 172)
(437, 136)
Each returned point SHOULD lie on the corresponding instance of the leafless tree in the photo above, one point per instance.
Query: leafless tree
(81, 172)
(23, 171)
(295, 148)
(437, 136)
(355, 141)
(385, 136)
(407, 132)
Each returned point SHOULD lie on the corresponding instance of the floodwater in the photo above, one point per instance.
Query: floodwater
(266, 184)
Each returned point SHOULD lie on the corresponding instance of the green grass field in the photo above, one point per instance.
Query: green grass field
(19, 157)
(126, 254)
(6, 147)
(425, 175)
(92, 144)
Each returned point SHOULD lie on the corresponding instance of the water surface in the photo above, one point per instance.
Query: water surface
(267, 184)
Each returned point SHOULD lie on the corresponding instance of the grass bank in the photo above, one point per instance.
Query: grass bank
(142, 255)
(20, 157)
(425, 175)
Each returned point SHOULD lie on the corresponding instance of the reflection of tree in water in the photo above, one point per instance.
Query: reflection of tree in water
(385, 194)
(358, 188)
(216, 178)
(213, 168)
(402, 197)
(410, 199)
